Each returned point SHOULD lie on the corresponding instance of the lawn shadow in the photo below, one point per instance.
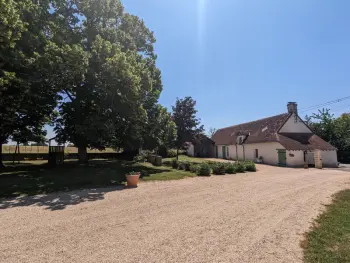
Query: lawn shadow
(39, 180)
(59, 201)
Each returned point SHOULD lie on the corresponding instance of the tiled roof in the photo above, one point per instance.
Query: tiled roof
(260, 131)
(266, 130)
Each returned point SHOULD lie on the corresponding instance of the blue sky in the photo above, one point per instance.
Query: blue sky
(242, 60)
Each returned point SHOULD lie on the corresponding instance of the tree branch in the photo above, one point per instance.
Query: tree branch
(69, 95)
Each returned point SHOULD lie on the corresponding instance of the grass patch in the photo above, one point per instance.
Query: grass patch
(329, 239)
(31, 178)
(185, 158)
(172, 175)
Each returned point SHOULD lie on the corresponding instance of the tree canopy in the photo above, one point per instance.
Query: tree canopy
(187, 123)
(334, 130)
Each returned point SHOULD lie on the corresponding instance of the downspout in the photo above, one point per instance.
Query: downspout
(243, 152)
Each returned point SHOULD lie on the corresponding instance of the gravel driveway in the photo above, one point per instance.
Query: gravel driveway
(253, 217)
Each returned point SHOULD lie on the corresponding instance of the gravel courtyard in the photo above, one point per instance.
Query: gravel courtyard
(253, 217)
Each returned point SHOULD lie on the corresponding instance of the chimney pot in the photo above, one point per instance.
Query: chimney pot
(292, 107)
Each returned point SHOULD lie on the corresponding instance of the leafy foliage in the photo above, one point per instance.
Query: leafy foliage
(336, 131)
(203, 169)
(27, 94)
(230, 169)
(193, 168)
(175, 163)
(250, 166)
(188, 125)
(219, 168)
(239, 167)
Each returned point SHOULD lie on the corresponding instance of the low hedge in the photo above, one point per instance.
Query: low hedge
(239, 167)
(230, 168)
(250, 166)
(193, 168)
(219, 168)
(203, 169)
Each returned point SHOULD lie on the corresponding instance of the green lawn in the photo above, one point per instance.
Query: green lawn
(36, 177)
(329, 239)
(187, 158)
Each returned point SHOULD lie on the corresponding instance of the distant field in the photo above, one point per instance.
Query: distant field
(45, 149)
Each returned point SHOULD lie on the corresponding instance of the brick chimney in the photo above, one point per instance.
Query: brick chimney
(292, 107)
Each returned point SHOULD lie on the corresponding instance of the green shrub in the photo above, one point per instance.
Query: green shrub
(203, 169)
(142, 156)
(167, 163)
(250, 166)
(171, 153)
(219, 168)
(174, 163)
(184, 166)
(239, 167)
(193, 168)
(163, 151)
(230, 169)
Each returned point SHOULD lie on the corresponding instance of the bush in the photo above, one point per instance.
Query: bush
(163, 151)
(239, 167)
(171, 153)
(167, 163)
(193, 168)
(185, 166)
(250, 166)
(203, 169)
(230, 169)
(219, 168)
(174, 164)
(142, 156)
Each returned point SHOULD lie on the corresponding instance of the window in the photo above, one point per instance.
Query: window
(256, 153)
(227, 151)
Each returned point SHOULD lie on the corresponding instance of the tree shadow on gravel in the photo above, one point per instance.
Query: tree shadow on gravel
(58, 201)
(40, 180)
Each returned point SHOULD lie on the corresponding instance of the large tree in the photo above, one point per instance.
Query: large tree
(109, 97)
(333, 130)
(27, 99)
(187, 124)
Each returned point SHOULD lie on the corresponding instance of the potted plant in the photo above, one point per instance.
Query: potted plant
(132, 179)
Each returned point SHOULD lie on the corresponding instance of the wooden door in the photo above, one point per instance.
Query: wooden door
(282, 158)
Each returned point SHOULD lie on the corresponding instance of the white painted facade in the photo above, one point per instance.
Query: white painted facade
(269, 150)
(294, 125)
(329, 158)
(190, 150)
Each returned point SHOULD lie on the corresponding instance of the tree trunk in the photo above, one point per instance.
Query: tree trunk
(1, 163)
(177, 153)
(82, 154)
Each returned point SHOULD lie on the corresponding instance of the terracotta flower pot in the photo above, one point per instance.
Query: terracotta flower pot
(132, 179)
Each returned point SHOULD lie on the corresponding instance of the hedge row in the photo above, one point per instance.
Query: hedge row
(208, 168)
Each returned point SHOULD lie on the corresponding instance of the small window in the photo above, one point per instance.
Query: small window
(256, 153)
(227, 151)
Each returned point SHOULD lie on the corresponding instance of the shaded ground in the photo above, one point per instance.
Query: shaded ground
(252, 217)
(38, 178)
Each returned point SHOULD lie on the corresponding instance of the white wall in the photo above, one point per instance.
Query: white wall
(329, 158)
(294, 127)
(267, 150)
(295, 158)
(219, 147)
(190, 150)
